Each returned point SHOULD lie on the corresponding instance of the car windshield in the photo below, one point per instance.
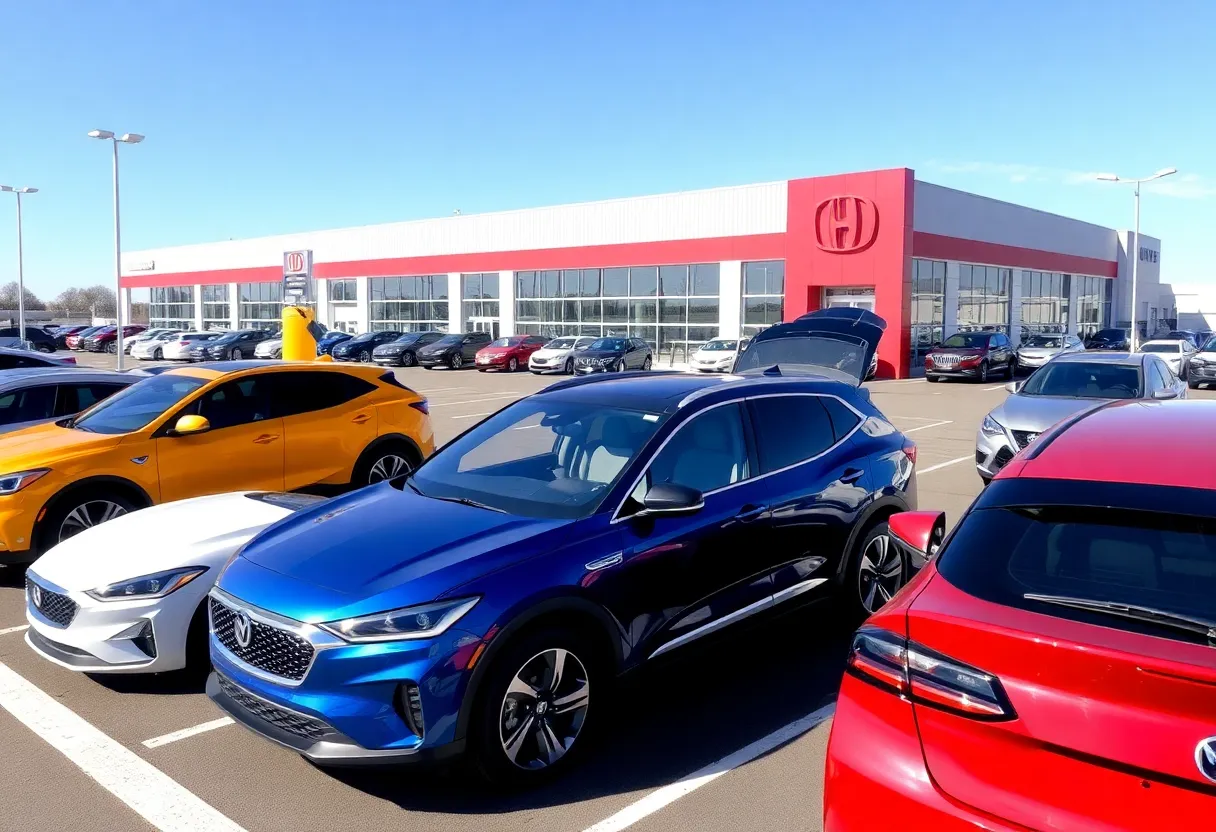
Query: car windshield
(366, 336)
(1209, 345)
(1117, 554)
(450, 341)
(506, 342)
(608, 344)
(229, 336)
(542, 457)
(136, 406)
(720, 346)
(967, 340)
(560, 344)
(1160, 347)
(818, 351)
(408, 338)
(1110, 335)
(1045, 341)
(1084, 379)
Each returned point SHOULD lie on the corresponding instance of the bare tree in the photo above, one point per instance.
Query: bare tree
(8, 298)
(94, 300)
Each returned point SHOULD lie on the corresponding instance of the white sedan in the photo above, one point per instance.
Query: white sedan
(152, 349)
(557, 356)
(270, 348)
(179, 349)
(128, 595)
(1175, 351)
(716, 356)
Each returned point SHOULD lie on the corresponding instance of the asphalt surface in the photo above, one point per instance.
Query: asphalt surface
(718, 713)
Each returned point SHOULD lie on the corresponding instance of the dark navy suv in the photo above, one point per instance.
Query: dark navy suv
(482, 602)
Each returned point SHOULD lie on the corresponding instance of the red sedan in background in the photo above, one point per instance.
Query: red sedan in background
(509, 353)
(1054, 666)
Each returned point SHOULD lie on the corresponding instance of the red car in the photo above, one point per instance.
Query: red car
(106, 339)
(1054, 666)
(509, 353)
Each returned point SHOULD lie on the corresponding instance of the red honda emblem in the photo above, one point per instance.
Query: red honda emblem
(846, 224)
(295, 262)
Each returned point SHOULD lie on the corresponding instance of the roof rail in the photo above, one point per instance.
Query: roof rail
(591, 378)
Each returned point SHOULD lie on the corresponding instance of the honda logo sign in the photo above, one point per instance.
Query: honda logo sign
(297, 277)
(846, 224)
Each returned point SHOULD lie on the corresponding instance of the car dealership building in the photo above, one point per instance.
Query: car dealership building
(678, 269)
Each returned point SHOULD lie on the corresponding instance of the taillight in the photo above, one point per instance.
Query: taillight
(927, 677)
(910, 450)
(421, 405)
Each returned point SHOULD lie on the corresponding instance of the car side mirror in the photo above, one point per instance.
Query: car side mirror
(671, 498)
(919, 532)
(1013, 386)
(1164, 393)
(189, 425)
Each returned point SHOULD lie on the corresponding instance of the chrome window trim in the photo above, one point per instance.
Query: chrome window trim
(861, 419)
(318, 638)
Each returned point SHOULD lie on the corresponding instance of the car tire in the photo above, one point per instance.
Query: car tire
(456, 361)
(112, 348)
(408, 359)
(428, 367)
(646, 365)
(1191, 383)
(620, 366)
(569, 368)
(385, 461)
(983, 376)
(504, 711)
(80, 510)
(45, 349)
(932, 379)
(877, 570)
(365, 357)
(236, 354)
(512, 364)
(159, 355)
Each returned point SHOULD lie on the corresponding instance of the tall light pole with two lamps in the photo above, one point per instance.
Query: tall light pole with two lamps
(20, 260)
(1134, 254)
(125, 138)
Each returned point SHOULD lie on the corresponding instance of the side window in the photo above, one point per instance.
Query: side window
(305, 392)
(843, 418)
(238, 402)
(76, 398)
(8, 362)
(706, 453)
(1168, 373)
(790, 429)
(1157, 377)
(27, 405)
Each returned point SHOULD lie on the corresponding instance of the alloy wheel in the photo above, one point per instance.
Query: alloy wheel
(880, 574)
(983, 373)
(512, 365)
(365, 357)
(620, 367)
(387, 467)
(237, 355)
(457, 361)
(87, 515)
(544, 709)
(569, 368)
(408, 359)
(112, 348)
(647, 363)
(159, 355)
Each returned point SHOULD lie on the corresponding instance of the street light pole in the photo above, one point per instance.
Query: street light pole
(20, 260)
(125, 138)
(1134, 253)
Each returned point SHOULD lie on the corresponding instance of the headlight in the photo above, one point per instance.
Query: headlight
(157, 585)
(422, 621)
(991, 427)
(12, 483)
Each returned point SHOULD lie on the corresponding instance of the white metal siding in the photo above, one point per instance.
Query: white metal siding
(719, 212)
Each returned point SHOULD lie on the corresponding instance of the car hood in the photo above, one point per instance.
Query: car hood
(1037, 413)
(713, 355)
(436, 349)
(497, 350)
(44, 444)
(545, 352)
(391, 348)
(600, 353)
(379, 548)
(203, 531)
(1039, 352)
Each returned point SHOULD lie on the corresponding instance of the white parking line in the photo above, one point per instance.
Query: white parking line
(933, 425)
(940, 465)
(481, 399)
(17, 629)
(998, 387)
(469, 415)
(151, 793)
(667, 795)
(157, 742)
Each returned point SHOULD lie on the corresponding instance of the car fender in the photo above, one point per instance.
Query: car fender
(888, 503)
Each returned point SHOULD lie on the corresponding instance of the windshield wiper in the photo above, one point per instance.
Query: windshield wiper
(465, 501)
(1177, 621)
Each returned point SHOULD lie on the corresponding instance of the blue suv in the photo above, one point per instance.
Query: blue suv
(485, 601)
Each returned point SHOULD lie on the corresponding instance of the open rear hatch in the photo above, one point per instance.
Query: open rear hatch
(1109, 711)
(841, 342)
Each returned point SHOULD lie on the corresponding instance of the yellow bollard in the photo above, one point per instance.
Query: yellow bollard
(300, 333)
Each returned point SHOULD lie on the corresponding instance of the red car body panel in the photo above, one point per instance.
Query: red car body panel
(501, 356)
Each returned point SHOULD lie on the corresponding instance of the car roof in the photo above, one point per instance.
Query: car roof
(216, 369)
(1164, 341)
(1136, 441)
(24, 375)
(1133, 358)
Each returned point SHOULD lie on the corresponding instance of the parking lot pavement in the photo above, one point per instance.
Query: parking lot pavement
(693, 743)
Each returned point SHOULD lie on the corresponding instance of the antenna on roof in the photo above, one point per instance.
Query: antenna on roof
(774, 370)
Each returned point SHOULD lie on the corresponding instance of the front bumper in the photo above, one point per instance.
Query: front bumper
(992, 453)
(952, 372)
(586, 369)
(547, 365)
(716, 367)
(1031, 364)
(1201, 372)
(493, 362)
(433, 360)
(387, 360)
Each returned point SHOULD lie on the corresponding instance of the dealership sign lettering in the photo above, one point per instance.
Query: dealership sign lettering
(846, 224)
(1147, 255)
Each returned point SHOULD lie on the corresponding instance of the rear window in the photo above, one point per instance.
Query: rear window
(1164, 562)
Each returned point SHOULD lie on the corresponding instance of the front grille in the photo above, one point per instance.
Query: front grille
(980, 457)
(1002, 457)
(1024, 438)
(271, 649)
(281, 718)
(56, 608)
(945, 360)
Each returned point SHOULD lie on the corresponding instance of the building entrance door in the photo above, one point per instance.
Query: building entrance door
(489, 325)
(857, 297)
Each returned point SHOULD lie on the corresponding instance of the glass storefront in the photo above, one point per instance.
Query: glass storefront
(261, 305)
(983, 298)
(479, 293)
(343, 291)
(763, 301)
(1045, 302)
(928, 307)
(416, 303)
(171, 307)
(673, 308)
(1093, 304)
(216, 314)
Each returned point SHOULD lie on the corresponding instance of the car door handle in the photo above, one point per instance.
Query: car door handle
(851, 475)
(750, 513)
(360, 418)
(266, 439)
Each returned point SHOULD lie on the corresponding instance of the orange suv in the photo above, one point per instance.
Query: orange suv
(203, 430)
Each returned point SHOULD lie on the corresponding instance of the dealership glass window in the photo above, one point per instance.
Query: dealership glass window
(667, 306)
(412, 303)
(983, 298)
(480, 294)
(216, 313)
(763, 301)
(1044, 302)
(171, 307)
(1093, 304)
(261, 305)
(342, 291)
(928, 304)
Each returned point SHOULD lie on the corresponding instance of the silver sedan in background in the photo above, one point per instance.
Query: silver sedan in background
(1068, 384)
(1037, 350)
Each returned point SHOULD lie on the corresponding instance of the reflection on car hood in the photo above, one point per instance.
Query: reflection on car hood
(1039, 352)
(1037, 413)
(435, 349)
(379, 548)
(43, 445)
(546, 352)
(601, 353)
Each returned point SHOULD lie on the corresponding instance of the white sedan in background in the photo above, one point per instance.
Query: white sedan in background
(179, 349)
(557, 356)
(152, 349)
(129, 595)
(1175, 351)
(716, 356)
(270, 348)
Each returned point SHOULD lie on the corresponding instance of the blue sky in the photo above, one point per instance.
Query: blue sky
(274, 116)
